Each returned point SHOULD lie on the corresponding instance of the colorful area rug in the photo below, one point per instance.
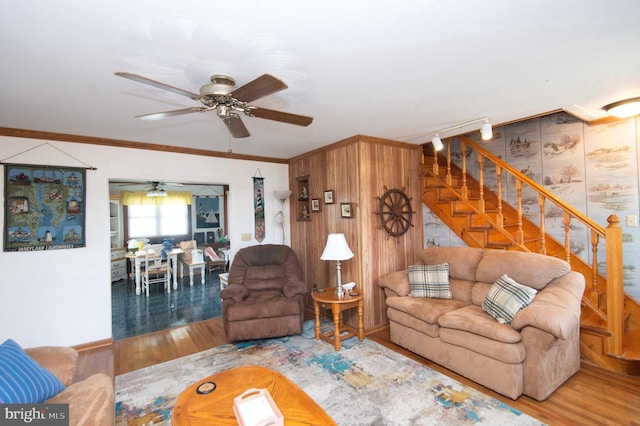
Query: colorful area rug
(363, 384)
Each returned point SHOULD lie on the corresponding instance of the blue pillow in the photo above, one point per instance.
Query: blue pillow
(22, 380)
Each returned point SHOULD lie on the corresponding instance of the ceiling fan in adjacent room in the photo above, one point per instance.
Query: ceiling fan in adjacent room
(156, 188)
(222, 96)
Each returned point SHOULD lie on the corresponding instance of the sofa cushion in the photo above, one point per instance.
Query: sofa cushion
(424, 309)
(531, 269)
(91, 401)
(59, 360)
(506, 298)
(462, 289)
(399, 317)
(510, 353)
(430, 281)
(474, 320)
(22, 380)
(462, 261)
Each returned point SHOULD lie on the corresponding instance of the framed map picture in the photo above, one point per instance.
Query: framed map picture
(44, 207)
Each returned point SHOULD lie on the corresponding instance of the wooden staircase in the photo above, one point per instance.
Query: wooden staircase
(610, 320)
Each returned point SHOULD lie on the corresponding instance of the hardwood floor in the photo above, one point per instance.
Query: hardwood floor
(592, 397)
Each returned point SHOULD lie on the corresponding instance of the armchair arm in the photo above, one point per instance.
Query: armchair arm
(59, 360)
(556, 308)
(294, 287)
(237, 292)
(396, 282)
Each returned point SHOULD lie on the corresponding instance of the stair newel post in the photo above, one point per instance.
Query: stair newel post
(615, 285)
(499, 217)
(519, 232)
(543, 242)
(448, 177)
(567, 239)
(595, 240)
(463, 153)
(481, 202)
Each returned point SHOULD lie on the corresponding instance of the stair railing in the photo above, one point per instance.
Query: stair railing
(613, 283)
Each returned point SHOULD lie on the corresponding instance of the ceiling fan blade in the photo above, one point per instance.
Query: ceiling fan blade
(165, 114)
(255, 89)
(285, 117)
(158, 84)
(236, 126)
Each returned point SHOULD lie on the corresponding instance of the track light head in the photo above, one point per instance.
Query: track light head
(437, 143)
(486, 131)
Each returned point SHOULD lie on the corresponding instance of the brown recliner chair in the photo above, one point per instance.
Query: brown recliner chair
(265, 296)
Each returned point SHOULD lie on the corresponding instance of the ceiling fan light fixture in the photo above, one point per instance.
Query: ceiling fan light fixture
(624, 109)
(437, 143)
(156, 191)
(220, 85)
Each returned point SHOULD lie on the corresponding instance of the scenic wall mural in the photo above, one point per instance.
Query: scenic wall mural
(595, 169)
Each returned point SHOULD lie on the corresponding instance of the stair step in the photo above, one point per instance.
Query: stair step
(498, 244)
(595, 325)
(478, 228)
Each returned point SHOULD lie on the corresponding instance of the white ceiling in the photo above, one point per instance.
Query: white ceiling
(392, 69)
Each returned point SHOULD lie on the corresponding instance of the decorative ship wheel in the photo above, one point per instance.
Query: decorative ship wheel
(395, 211)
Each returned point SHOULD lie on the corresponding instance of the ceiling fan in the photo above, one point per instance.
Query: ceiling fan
(222, 96)
(156, 188)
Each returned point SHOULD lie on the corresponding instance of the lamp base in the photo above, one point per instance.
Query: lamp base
(339, 291)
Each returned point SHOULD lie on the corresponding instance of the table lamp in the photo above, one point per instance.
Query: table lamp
(337, 249)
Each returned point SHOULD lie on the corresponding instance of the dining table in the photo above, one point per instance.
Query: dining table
(136, 259)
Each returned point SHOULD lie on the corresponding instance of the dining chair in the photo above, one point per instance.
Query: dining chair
(155, 272)
(214, 261)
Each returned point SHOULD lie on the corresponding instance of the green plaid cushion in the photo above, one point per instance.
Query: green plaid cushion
(430, 281)
(506, 297)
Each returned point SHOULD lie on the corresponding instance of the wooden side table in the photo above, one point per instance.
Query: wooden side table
(328, 300)
(189, 264)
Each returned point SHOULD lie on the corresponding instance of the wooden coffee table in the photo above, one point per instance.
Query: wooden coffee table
(216, 407)
(329, 300)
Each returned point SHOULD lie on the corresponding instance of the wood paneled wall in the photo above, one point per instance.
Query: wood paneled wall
(357, 169)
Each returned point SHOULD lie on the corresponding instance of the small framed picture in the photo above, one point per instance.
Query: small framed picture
(328, 197)
(315, 204)
(346, 210)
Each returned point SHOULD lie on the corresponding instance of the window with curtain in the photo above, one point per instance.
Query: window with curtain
(157, 216)
(154, 221)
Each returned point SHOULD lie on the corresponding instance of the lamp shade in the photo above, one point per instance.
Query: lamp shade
(336, 248)
(282, 195)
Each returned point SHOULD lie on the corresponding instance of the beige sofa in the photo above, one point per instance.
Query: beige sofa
(91, 401)
(533, 355)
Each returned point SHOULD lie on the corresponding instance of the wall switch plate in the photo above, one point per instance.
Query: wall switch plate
(246, 237)
(632, 221)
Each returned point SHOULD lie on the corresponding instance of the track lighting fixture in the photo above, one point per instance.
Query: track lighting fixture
(437, 143)
(624, 109)
(485, 130)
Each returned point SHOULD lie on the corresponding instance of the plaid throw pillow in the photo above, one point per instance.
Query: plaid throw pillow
(506, 297)
(430, 281)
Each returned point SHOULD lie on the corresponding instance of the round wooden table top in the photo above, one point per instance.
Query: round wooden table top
(328, 296)
(216, 407)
